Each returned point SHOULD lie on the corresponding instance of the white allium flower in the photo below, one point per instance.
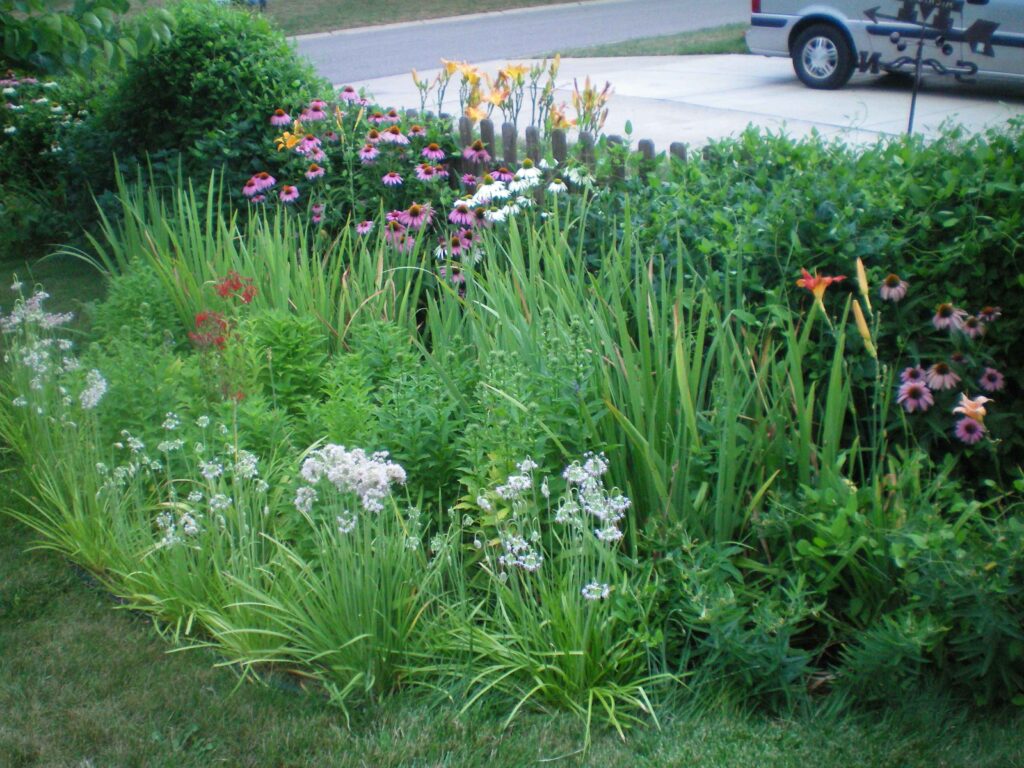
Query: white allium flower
(483, 503)
(171, 421)
(135, 445)
(246, 465)
(352, 471)
(212, 469)
(199, 447)
(19, 402)
(170, 446)
(219, 502)
(514, 487)
(17, 285)
(545, 490)
(527, 465)
(189, 526)
(608, 534)
(195, 497)
(305, 497)
(346, 522)
(203, 422)
(10, 130)
(595, 591)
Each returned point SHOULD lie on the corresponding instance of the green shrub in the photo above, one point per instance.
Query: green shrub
(206, 95)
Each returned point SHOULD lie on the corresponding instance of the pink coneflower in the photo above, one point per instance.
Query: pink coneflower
(368, 154)
(468, 238)
(364, 227)
(416, 215)
(480, 217)
(316, 155)
(315, 172)
(417, 130)
(441, 172)
(280, 117)
(289, 194)
(393, 135)
(958, 358)
(395, 215)
(403, 243)
(969, 431)
(462, 214)
(972, 327)
(250, 188)
(376, 118)
(425, 172)
(259, 199)
(315, 112)
(348, 93)
(990, 314)
(468, 180)
(476, 152)
(893, 289)
(307, 144)
(264, 180)
(373, 136)
(915, 396)
(913, 373)
(331, 137)
(316, 218)
(992, 380)
(317, 209)
(393, 230)
(941, 376)
(502, 174)
(433, 152)
(453, 274)
(391, 179)
(947, 316)
(450, 247)
(392, 116)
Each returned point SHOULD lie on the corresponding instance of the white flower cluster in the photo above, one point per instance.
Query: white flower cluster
(95, 389)
(516, 485)
(30, 312)
(587, 498)
(595, 591)
(176, 528)
(368, 476)
(519, 553)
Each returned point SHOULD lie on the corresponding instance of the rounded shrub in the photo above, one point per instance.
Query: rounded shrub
(205, 96)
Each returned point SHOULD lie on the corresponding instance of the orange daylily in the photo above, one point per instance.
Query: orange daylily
(973, 408)
(817, 284)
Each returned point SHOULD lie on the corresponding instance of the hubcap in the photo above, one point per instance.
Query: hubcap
(820, 57)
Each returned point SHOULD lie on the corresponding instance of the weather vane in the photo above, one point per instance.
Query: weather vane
(935, 24)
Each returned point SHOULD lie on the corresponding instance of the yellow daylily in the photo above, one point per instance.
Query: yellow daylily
(287, 140)
(475, 113)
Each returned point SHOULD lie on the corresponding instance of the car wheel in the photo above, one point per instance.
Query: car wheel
(822, 57)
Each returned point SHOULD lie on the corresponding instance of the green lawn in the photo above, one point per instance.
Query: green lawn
(83, 683)
(298, 17)
(724, 39)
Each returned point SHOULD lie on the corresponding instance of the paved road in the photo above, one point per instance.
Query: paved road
(356, 55)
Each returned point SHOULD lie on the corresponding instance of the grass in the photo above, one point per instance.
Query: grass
(298, 17)
(724, 39)
(84, 684)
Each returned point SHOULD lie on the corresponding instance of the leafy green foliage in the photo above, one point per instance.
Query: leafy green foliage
(89, 37)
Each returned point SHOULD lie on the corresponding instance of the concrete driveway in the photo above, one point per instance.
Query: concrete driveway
(695, 98)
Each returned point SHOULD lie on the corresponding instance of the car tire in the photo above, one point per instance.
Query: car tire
(823, 57)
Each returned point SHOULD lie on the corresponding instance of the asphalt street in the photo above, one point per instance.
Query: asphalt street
(356, 55)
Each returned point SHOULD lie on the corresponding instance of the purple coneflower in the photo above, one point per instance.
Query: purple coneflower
(393, 135)
(308, 144)
(425, 172)
(462, 214)
(913, 373)
(416, 215)
(417, 131)
(392, 116)
(373, 136)
(364, 227)
(450, 248)
(972, 327)
(289, 194)
(502, 174)
(259, 199)
(893, 289)
(403, 243)
(368, 154)
(376, 118)
(348, 93)
(941, 376)
(392, 179)
(915, 396)
(393, 230)
(315, 172)
(480, 217)
(441, 172)
(969, 431)
(990, 314)
(264, 180)
(317, 209)
(250, 188)
(992, 380)
(947, 316)
(958, 358)
(476, 152)
(280, 117)
(454, 274)
(468, 237)
(331, 137)
(433, 152)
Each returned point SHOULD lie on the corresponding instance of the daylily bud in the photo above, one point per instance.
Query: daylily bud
(862, 328)
(862, 283)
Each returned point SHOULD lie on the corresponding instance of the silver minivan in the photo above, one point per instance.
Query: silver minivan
(830, 40)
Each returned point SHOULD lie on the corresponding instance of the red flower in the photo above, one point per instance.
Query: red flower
(234, 285)
(211, 331)
(817, 284)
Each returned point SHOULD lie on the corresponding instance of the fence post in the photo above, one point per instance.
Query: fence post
(487, 137)
(646, 148)
(559, 147)
(533, 143)
(677, 150)
(617, 152)
(586, 143)
(509, 137)
(465, 132)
